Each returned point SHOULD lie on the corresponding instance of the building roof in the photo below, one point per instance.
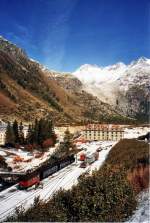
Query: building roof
(104, 127)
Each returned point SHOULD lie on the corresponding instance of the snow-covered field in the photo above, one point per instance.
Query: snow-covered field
(142, 213)
(28, 160)
(65, 178)
(130, 133)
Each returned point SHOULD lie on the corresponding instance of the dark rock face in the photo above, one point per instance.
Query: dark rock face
(17, 53)
(135, 90)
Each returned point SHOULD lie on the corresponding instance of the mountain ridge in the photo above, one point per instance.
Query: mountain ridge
(125, 87)
(31, 91)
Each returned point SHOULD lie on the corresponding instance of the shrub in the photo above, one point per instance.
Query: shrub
(105, 196)
(128, 153)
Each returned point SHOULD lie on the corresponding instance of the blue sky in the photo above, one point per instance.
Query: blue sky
(64, 34)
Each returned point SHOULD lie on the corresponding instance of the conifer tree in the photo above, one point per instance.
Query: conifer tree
(21, 133)
(67, 143)
(41, 131)
(10, 137)
(16, 132)
(51, 131)
(45, 130)
(29, 138)
(35, 131)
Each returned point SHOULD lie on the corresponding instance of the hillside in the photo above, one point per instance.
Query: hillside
(28, 91)
(93, 109)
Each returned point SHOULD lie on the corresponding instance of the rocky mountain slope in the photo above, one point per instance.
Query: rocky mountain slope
(65, 80)
(94, 109)
(125, 87)
(27, 90)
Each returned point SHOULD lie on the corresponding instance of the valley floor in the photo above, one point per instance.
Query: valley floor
(65, 178)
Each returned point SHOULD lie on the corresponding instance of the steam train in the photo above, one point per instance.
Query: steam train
(34, 177)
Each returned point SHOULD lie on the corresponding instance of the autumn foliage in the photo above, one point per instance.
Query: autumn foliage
(48, 143)
(139, 177)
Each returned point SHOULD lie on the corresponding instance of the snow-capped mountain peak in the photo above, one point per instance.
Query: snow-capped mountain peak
(140, 62)
(88, 67)
(116, 66)
(88, 73)
(119, 85)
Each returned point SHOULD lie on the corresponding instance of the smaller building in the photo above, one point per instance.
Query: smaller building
(101, 132)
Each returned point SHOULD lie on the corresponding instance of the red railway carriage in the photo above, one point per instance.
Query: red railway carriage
(33, 177)
(88, 158)
(29, 182)
(82, 156)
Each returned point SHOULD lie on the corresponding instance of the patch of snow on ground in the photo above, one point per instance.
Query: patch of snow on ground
(142, 213)
(130, 133)
(2, 153)
(29, 161)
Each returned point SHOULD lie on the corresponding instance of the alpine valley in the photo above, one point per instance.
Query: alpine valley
(117, 93)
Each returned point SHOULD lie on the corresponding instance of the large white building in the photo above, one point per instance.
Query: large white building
(101, 132)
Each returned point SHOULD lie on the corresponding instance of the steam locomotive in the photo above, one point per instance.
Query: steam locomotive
(34, 177)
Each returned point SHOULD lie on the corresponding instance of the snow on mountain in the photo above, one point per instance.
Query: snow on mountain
(137, 74)
(125, 87)
(140, 62)
(93, 74)
(97, 80)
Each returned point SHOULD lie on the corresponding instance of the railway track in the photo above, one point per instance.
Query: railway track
(50, 184)
(55, 188)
